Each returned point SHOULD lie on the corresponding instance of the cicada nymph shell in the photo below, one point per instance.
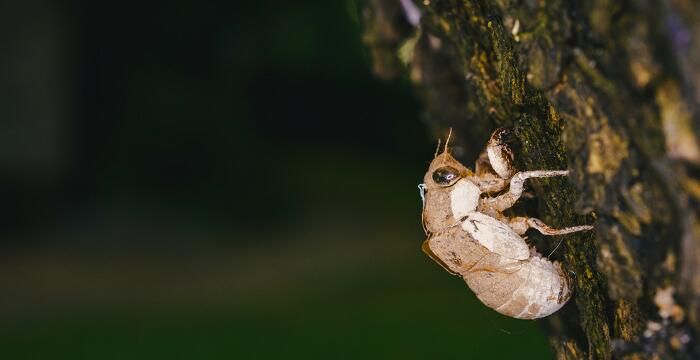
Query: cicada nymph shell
(469, 236)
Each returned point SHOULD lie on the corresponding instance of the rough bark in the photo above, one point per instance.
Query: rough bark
(606, 89)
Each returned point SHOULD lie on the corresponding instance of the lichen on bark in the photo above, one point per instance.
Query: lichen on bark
(608, 90)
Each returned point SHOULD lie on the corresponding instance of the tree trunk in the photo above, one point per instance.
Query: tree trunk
(606, 89)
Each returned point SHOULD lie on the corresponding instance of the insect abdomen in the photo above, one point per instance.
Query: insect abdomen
(537, 289)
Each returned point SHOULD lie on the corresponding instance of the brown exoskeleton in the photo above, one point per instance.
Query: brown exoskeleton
(469, 235)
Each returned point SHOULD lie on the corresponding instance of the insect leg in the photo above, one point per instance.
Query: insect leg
(489, 181)
(545, 229)
(495, 164)
(521, 224)
(499, 152)
(517, 183)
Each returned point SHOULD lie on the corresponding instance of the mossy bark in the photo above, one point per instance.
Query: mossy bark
(606, 89)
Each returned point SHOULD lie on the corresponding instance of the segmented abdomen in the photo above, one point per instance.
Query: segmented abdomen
(537, 289)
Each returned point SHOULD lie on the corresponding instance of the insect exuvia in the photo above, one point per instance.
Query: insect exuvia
(470, 237)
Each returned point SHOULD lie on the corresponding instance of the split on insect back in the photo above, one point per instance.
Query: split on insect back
(469, 235)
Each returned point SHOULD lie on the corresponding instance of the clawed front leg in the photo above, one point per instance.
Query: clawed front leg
(517, 183)
(500, 153)
(521, 224)
(488, 180)
(495, 164)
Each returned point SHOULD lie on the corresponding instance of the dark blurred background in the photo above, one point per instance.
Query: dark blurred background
(195, 180)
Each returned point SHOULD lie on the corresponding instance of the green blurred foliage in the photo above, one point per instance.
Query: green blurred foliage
(237, 185)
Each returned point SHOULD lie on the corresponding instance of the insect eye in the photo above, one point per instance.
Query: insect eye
(445, 175)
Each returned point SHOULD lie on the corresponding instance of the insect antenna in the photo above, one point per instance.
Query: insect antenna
(437, 148)
(447, 142)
